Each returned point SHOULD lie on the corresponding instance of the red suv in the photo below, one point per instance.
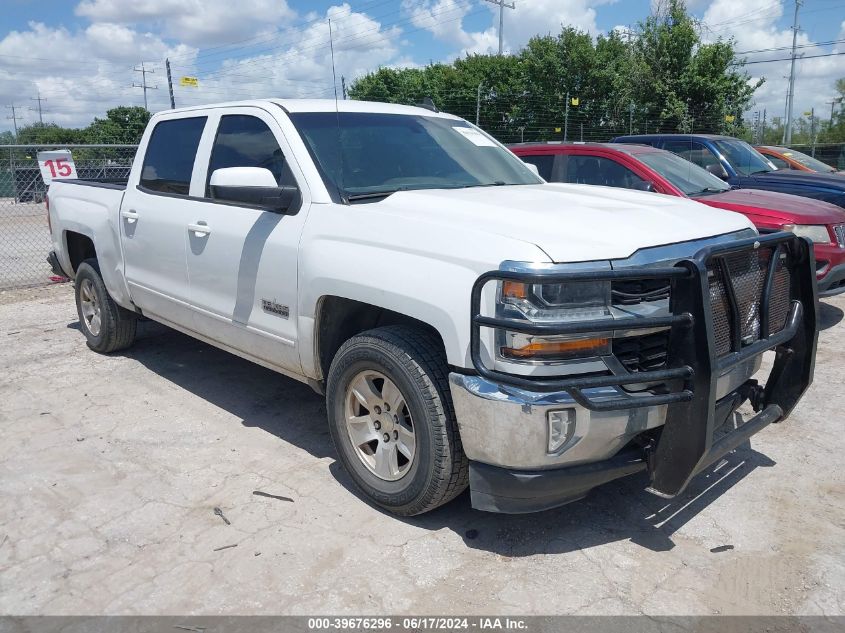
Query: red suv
(650, 169)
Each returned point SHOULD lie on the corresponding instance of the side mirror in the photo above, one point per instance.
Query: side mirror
(532, 168)
(718, 170)
(255, 186)
(643, 185)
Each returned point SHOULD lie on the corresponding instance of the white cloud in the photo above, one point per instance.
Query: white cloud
(196, 22)
(303, 66)
(754, 26)
(80, 73)
(444, 20)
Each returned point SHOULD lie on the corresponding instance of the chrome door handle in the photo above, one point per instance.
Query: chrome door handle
(131, 215)
(199, 229)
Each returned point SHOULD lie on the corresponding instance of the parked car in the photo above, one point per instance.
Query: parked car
(739, 164)
(647, 168)
(468, 323)
(786, 158)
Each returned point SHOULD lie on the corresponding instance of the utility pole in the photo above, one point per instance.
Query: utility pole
(144, 72)
(343, 86)
(478, 105)
(40, 113)
(566, 118)
(813, 131)
(631, 119)
(763, 129)
(170, 84)
(502, 6)
(14, 118)
(791, 94)
(832, 103)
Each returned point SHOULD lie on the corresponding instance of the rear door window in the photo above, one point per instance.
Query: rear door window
(170, 155)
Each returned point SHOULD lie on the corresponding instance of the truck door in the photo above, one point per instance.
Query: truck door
(242, 265)
(153, 217)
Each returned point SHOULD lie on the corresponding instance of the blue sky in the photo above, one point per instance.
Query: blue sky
(80, 54)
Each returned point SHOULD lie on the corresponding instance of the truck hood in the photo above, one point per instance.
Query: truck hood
(777, 206)
(570, 223)
(833, 182)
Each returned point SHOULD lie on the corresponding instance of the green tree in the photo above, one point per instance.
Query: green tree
(124, 124)
(48, 134)
(686, 85)
(663, 78)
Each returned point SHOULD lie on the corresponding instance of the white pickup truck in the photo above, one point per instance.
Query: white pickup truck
(469, 324)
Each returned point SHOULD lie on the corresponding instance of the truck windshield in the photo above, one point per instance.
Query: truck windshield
(370, 155)
(686, 176)
(743, 158)
(809, 161)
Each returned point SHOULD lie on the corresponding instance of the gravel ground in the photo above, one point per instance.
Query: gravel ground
(111, 468)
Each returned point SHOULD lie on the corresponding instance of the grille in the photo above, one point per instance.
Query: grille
(632, 292)
(747, 273)
(642, 353)
(839, 231)
(721, 311)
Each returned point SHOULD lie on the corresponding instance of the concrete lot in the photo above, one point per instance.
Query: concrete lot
(111, 467)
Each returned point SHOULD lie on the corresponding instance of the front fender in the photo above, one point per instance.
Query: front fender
(424, 274)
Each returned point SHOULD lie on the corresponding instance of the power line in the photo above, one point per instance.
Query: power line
(783, 48)
(786, 59)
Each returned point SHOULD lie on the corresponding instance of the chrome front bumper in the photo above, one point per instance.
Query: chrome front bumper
(507, 426)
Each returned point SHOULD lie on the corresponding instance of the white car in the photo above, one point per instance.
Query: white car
(469, 323)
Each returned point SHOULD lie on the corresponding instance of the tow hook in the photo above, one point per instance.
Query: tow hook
(756, 395)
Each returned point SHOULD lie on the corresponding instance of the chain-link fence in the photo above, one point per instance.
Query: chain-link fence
(24, 238)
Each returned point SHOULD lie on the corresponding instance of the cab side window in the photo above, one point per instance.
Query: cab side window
(693, 151)
(778, 162)
(543, 162)
(247, 141)
(597, 170)
(170, 154)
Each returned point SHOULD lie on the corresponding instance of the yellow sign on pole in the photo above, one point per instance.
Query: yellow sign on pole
(575, 101)
(189, 82)
(730, 118)
(557, 129)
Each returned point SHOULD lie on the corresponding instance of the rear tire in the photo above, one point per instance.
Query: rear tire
(107, 326)
(402, 447)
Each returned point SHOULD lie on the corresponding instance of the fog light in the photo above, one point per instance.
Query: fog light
(561, 427)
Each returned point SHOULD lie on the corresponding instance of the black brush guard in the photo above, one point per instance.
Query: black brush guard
(687, 385)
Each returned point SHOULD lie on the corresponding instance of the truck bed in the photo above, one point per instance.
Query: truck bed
(105, 183)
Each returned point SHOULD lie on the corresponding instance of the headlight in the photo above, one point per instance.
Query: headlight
(816, 232)
(539, 303)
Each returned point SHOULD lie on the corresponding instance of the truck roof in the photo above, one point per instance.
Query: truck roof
(321, 105)
(628, 148)
(712, 137)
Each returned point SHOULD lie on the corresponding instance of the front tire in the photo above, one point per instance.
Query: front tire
(107, 327)
(392, 422)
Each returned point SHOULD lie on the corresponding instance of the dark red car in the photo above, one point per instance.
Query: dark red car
(650, 169)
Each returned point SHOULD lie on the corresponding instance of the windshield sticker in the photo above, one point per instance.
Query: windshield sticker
(473, 135)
